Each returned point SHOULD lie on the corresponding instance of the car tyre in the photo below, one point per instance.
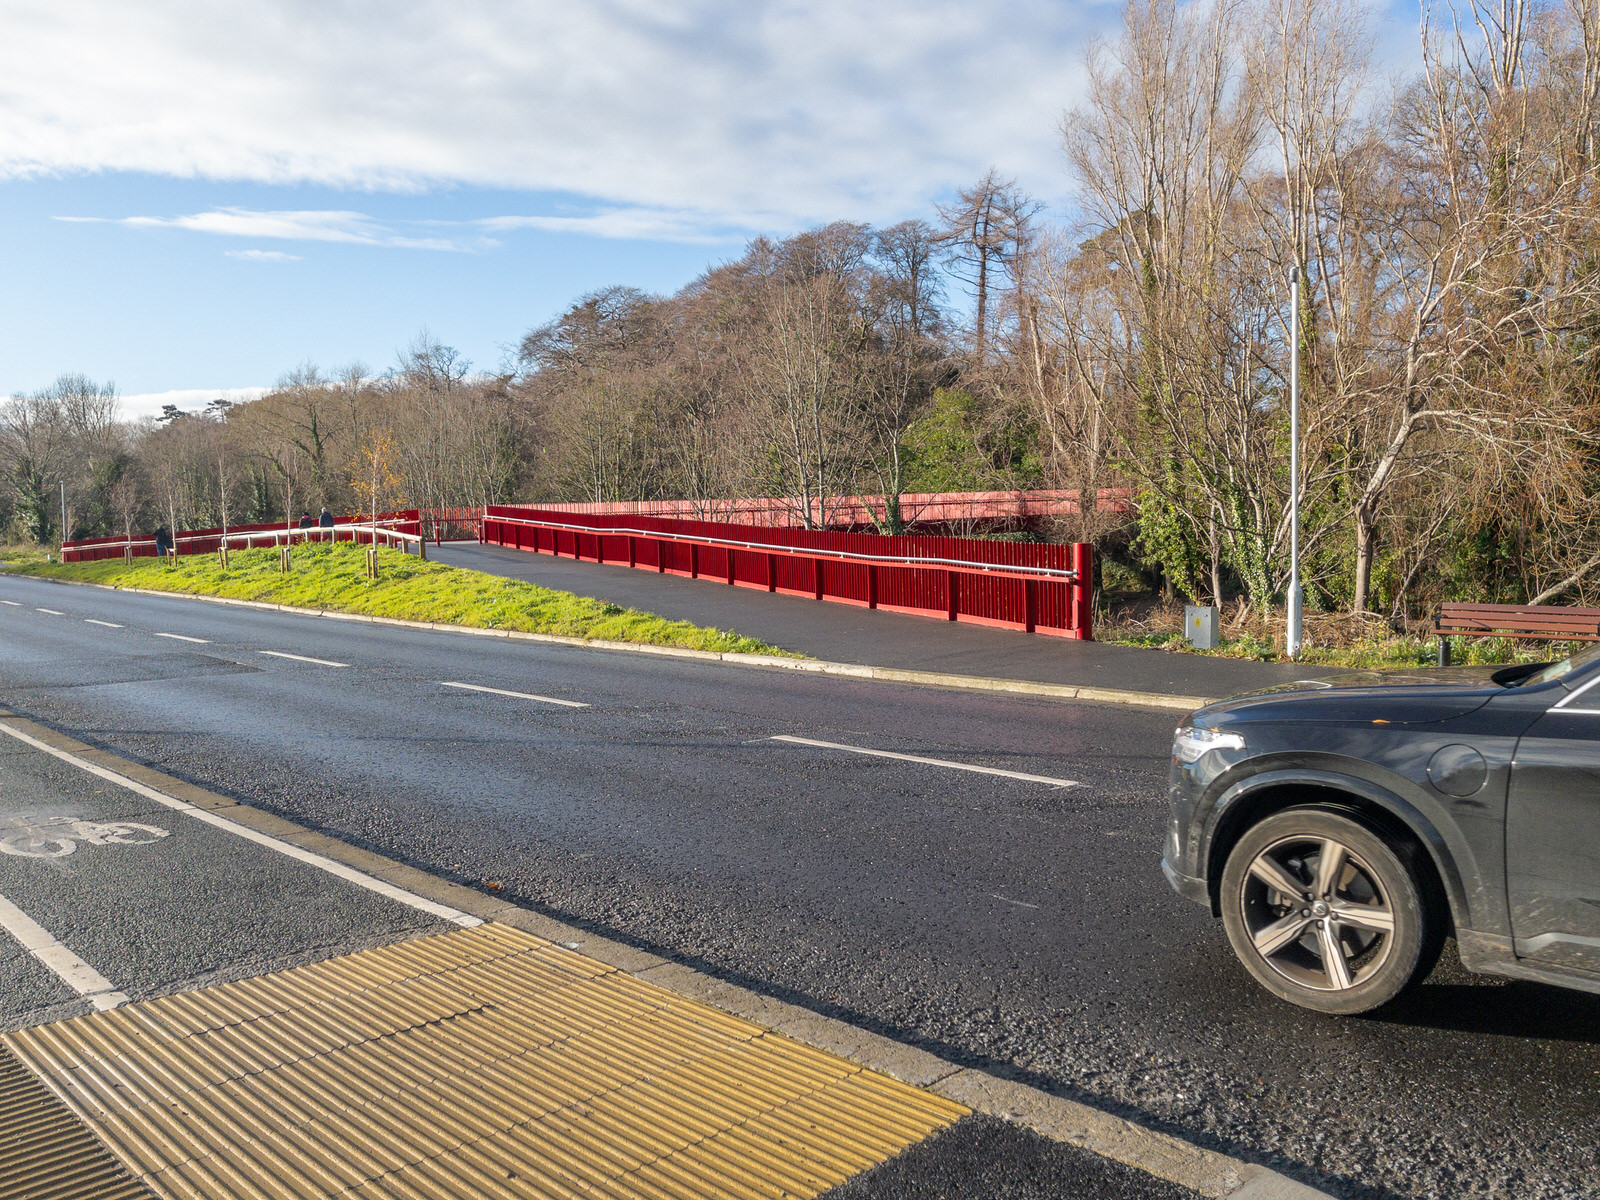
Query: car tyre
(1326, 914)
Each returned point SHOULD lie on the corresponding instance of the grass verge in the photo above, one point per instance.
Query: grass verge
(1405, 650)
(14, 554)
(333, 577)
(1336, 640)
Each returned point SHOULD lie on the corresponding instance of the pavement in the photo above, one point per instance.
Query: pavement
(850, 633)
(988, 898)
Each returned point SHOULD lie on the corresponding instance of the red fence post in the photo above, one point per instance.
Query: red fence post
(661, 557)
(730, 566)
(872, 586)
(694, 562)
(952, 593)
(1082, 594)
(772, 572)
(1030, 604)
(816, 581)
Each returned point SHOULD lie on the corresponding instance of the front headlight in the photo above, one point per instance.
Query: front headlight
(1190, 742)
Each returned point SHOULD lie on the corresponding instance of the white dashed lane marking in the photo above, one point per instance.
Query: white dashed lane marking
(13, 603)
(473, 687)
(107, 624)
(321, 662)
(52, 612)
(180, 637)
(928, 762)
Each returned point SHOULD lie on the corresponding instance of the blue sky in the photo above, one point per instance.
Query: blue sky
(196, 197)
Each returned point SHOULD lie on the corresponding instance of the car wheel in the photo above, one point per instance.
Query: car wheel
(1325, 913)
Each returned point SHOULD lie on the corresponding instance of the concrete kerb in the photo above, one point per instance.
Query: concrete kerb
(980, 683)
(1210, 1173)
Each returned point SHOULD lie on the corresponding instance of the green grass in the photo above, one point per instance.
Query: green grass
(15, 554)
(333, 577)
(1402, 650)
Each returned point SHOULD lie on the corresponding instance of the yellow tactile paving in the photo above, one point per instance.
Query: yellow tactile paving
(482, 1062)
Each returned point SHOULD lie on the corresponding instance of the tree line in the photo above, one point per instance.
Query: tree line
(1442, 226)
(427, 433)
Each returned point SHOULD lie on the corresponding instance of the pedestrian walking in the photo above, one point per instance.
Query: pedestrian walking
(326, 519)
(306, 521)
(163, 541)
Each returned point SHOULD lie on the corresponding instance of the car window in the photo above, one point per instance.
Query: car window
(1566, 666)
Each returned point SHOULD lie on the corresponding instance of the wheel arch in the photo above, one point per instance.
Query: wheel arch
(1388, 815)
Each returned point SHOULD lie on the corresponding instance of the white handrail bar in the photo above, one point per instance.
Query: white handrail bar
(381, 529)
(964, 565)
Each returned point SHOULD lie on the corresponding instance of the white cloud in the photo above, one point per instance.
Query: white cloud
(654, 224)
(150, 404)
(310, 226)
(700, 114)
(361, 229)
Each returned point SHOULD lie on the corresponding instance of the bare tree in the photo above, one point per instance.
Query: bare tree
(984, 231)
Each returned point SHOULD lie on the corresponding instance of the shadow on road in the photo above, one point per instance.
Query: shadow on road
(1516, 1009)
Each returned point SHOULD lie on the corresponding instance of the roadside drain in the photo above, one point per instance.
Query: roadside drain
(46, 1153)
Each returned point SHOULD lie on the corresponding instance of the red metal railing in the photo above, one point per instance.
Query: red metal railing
(448, 524)
(1039, 588)
(854, 512)
(844, 514)
(406, 523)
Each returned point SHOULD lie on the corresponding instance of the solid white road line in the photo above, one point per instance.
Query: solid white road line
(348, 874)
(178, 637)
(473, 687)
(72, 970)
(107, 624)
(53, 612)
(928, 762)
(321, 662)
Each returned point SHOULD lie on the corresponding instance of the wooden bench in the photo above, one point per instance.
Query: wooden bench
(1547, 622)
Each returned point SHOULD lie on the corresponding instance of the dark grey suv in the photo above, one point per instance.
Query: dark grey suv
(1343, 828)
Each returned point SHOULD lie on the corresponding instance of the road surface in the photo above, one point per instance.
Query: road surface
(1011, 917)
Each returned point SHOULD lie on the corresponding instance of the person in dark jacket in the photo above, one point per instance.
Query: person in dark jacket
(305, 520)
(163, 541)
(326, 519)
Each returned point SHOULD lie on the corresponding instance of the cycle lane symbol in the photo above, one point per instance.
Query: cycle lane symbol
(57, 837)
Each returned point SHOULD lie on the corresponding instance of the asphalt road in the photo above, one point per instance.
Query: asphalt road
(1016, 925)
(155, 902)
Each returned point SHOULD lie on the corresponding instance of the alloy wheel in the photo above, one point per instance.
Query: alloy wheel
(1317, 913)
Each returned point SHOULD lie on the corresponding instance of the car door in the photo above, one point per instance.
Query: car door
(1553, 835)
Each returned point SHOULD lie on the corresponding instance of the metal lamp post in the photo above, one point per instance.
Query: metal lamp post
(63, 520)
(1296, 596)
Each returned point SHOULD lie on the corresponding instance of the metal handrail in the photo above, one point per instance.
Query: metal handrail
(1013, 570)
(380, 528)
